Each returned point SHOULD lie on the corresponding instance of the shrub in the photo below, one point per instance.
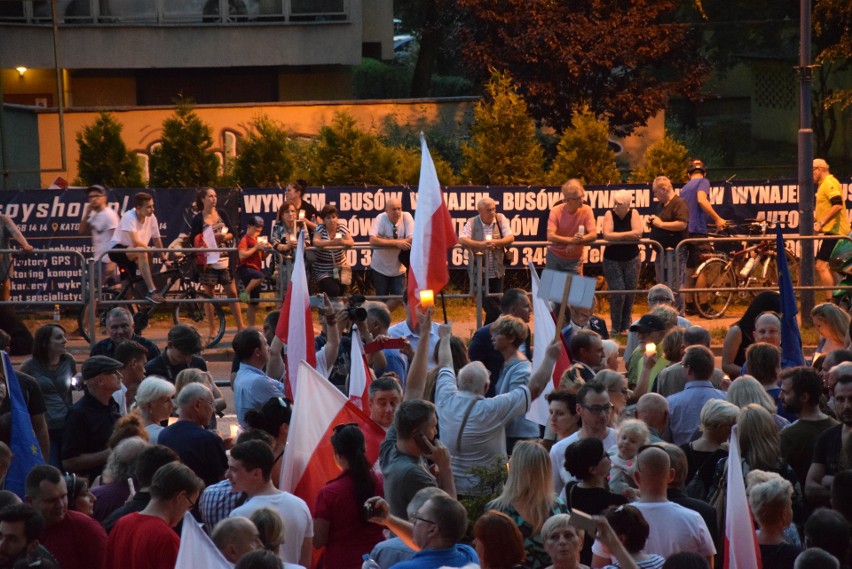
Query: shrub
(185, 157)
(583, 152)
(104, 158)
(265, 155)
(665, 157)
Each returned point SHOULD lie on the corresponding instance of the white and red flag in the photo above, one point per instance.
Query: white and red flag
(295, 323)
(544, 330)
(319, 407)
(433, 237)
(197, 550)
(360, 377)
(741, 548)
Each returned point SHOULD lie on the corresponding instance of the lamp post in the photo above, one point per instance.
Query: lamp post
(806, 156)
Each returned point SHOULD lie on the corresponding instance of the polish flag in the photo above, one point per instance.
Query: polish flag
(319, 407)
(196, 548)
(433, 237)
(360, 377)
(544, 330)
(741, 548)
(296, 320)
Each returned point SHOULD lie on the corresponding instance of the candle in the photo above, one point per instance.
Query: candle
(650, 349)
(224, 229)
(301, 214)
(427, 299)
(262, 240)
(173, 420)
(338, 235)
(235, 431)
(292, 238)
(488, 237)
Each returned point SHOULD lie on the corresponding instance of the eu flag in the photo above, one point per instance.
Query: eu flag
(25, 450)
(791, 338)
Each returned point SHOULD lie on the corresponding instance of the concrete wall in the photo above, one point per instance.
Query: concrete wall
(20, 145)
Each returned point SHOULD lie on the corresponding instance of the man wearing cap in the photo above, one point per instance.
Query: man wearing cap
(90, 420)
(100, 222)
(184, 345)
(252, 250)
(829, 219)
(650, 329)
(685, 406)
(696, 193)
(658, 295)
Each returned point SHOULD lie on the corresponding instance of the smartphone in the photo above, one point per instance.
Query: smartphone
(317, 302)
(582, 520)
(421, 441)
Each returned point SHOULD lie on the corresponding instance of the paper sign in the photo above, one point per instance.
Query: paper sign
(210, 243)
(581, 292)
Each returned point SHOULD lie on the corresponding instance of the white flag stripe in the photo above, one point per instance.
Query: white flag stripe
(196, 549)
(543, 330)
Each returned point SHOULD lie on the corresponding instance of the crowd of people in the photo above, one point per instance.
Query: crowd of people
(630, 469)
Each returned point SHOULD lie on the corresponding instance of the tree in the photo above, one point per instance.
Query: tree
(343, 154)
(264, 155)
(583, 152)
(623, 60)
(832, 90)
(665, 157)
(503, 148)
(185, 158)
(104, 158)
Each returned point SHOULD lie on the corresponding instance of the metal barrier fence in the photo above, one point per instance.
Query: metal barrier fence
(46, 252)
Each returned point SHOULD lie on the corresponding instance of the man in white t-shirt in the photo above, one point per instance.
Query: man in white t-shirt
(673, 527)
(391, 233)
(488, 234)
(136, 229)
(594, 408)
(249, 467)
(99, 220)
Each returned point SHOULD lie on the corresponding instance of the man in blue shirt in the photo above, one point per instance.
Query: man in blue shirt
(252, 387)
(685, 407)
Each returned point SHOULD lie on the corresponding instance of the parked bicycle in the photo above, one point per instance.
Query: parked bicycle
(752, 267)
(176, 282)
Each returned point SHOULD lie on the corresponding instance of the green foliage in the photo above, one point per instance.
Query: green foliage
(583, 152)
(503, 147)
(409, 166)
(104, 158)
(444, 138)
(265, 155)
(184, 159)
(665, 157)
(376, 80)
(343, 154)
(452, 86)
(491, 479)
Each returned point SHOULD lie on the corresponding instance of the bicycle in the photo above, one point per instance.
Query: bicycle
(178, 282)
(755, 266)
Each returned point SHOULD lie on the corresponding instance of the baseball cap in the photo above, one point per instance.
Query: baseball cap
(97, 188)
(185, 339)
(648, 323)
(255, 221)
(96, 365)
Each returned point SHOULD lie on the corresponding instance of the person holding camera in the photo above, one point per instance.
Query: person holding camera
(331, 268)
(488, 234)
(391, 234)
(340, 517)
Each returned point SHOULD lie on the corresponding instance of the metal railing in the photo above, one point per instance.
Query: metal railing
(32, 299)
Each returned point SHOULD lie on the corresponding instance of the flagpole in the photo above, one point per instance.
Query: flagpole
(444, 306)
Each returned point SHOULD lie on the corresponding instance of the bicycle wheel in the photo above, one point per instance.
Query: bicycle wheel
(770, 270)
(104, 306)
(714, 274)
(195, 315)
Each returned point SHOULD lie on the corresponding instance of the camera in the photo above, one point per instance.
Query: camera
(354, 310)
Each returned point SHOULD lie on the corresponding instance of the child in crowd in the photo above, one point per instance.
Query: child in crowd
(252, 250)
(632, 434)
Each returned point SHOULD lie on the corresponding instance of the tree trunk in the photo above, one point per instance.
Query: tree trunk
(430, 38)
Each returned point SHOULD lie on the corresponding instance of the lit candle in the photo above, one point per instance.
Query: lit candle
(427, 299)
(488, 237)
(224, 229)
(338, 235)
(262, 240)
(235, 431)
(173, 420)
(292, 238)
(301, 214)
(650, 349)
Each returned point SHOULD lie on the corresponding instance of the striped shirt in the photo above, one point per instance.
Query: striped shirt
(216, 503)
(328, 259)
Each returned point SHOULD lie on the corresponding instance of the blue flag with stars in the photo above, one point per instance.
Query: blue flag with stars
(25, 450)
(791, 338)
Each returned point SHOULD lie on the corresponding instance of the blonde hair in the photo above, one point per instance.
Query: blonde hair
(556, 522)
(667, 314)
(511, 326)
(758, 436)
(835, 318)
(635, 427)
(718, 413)
(673, 344)
(529, 487)
(270, 527)
(610, 379)
(769, 495)
(610, 348)
(190, 375)
(746, 389)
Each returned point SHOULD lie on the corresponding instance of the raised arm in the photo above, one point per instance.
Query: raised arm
(415, 383)
(542, 375)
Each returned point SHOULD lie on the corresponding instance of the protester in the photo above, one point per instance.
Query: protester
(498, 541)
(181, 352)
(295, 194)
(772, 507)
(486, 237)
(632, 530)
(99, 220)
(621, 262)
(741, 335)
(21, 528)
(390, 235)
(331, 269)
(668, 228)
(702, 454)
(155, 405)
(32, 398)
(252, 387)
(80, 497)
(274, 419)
(285, 238)
(563, 420)
(832, 324)
(570, 226)
(746, 390)
(196, 375)
(119, 325)
(672, 379)
(685, 407)
(234, 537)
(658, 295)
(633, 434)
(826, 458)
(616, 387)
(120, 469)
(562, 542)
(52, 366)
(252, 251)
(138, 227)
(132, 356)
(209, 229)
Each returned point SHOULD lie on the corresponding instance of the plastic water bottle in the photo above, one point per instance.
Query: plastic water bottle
(746, 270)
(369, 563)
(581, 230)
(57, 316)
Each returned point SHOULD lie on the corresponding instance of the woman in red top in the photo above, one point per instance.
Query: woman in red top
(340, 522)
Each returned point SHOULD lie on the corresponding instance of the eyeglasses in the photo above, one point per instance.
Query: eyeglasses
(416, 518)
(597, 408)
(190, 500)
(395, 232)
(340, 427)
(574, 198)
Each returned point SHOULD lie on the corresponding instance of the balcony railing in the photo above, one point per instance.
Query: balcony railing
(164, 12)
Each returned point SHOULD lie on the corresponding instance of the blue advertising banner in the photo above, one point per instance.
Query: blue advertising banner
(51, 218)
